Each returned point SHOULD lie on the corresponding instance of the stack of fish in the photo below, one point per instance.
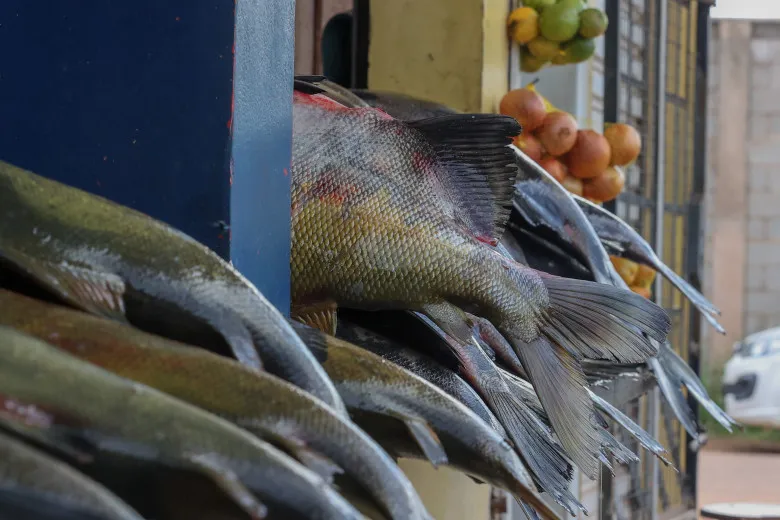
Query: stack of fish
(143, 377)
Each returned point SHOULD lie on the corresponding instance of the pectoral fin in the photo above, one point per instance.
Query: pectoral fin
(320, 316)
(96, 292)
(426, 438)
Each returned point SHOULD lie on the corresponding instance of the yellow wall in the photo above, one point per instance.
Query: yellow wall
(451, 51)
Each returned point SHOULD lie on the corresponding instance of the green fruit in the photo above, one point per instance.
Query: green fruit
(529, 62)
(579, 5)
(538, 5)
(579, 49)
(543, 48)
(593, 23)
(560, 22)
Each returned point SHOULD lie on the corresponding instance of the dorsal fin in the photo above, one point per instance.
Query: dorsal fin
(324, 86)
(479, 168)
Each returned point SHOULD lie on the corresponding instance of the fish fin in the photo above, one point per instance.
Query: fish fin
(426, 438)
(674, 398)
(674, 364)
(321, 316)
(598, 321)
(479, 169)
(316, 462)
(89, 290)
(231, 485)
(561, 386)
(498, 344)
(645, 439)
(322, 85)
(535, 444)
(618, 450)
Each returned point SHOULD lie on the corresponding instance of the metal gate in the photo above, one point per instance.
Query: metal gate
(655, 80)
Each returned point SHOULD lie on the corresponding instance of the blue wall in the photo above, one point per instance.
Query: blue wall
(132, 101)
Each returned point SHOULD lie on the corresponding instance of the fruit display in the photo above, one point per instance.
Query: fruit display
(638, 277)
(584, 161)
(555, 32)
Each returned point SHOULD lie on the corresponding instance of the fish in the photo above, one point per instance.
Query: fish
(110, 260)
(557, 231)
(444, 430)
(546, 460)
(26, 470)
(72, 403)
(620, 239)
(402, 215)
(259, 402)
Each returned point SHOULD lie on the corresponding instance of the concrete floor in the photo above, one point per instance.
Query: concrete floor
(735, 476)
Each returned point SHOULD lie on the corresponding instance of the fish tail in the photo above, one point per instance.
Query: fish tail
(533, 441)
(676, 369)
(645, 439)
(561, 386)
(597, 321)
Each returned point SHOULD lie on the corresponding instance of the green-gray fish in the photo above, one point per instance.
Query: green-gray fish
(446, 431)
(72, 399)
(259, 402)
(110, 260)
(25, 468)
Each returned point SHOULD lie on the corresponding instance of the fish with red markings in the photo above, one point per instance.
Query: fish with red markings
(411, 238)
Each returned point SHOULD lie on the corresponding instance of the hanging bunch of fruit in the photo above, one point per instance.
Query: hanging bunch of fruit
(639, 277)
(556, 32)
(586, 162)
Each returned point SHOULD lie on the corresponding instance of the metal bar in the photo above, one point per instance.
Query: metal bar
(694, 261)
(361, 25)
(261, 148)
(660, 178)
(612, 75)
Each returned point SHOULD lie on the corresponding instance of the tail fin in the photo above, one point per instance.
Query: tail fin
(534, 442)
(644, 438)
(679, 370)
(560, 384)
(597, 321)
(670, 388)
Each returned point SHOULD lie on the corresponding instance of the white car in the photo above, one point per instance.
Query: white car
(751, 380)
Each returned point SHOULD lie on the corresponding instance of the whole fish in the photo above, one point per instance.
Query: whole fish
(445, 430)
(390, 214)
(622, 240)
(549, 466)
(113, 261)
(259, 402)
(65, 399)
(26, 469)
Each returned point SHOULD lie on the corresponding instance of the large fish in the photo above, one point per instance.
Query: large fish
(259, 402)
(28, 470)
(115, 262)
(66, 400)
(388, 214)
(445, 430)
(543, 456)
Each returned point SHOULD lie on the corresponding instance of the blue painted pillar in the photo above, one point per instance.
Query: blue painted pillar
(262, 134)
(133, 101)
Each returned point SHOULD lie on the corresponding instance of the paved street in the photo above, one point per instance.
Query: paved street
(749, 477)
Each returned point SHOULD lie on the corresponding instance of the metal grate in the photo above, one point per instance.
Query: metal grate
(631, 94)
